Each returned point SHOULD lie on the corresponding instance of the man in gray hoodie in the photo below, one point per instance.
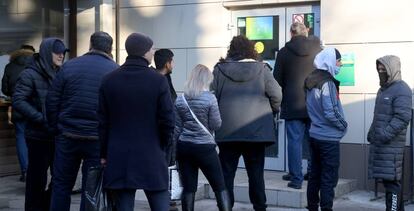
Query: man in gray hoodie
(388, 130)
(328, 126)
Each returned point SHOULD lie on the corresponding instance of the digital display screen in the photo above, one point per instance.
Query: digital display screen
(259, 28)
(263, 31)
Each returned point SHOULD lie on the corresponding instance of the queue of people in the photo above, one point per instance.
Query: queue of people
(130, 120)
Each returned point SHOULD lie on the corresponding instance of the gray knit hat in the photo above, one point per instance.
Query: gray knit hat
(138, 44)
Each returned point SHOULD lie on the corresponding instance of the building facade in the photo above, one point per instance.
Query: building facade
(199, 31)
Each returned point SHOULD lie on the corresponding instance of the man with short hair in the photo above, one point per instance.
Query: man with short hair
(164, 64)
(293, 63)
(29, 99)
(71, 106)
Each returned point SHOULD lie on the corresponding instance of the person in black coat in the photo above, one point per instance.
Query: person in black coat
(71, 106)
(29, 99)
(18, 61)
(294, 63)
(136, 122)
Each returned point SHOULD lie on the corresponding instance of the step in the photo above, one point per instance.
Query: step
(7, 142)
(7, 151)
(11, 159)
(277, 192)
(9, 169)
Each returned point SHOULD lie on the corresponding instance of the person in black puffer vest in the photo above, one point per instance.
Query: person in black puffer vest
(29, 100)
(388, 130)
(18, 61)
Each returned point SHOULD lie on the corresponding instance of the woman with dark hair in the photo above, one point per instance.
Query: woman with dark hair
(248, 97)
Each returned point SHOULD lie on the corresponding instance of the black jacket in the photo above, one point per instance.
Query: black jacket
(18, 61)
(72, 100)
(31, 89)
(388, 130)
(136, 122)
(294, 63)
(247, 96)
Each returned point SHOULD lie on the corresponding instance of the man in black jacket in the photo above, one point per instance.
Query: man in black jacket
(18, 61)
(294, 63)
(71, 106)
(29, 100)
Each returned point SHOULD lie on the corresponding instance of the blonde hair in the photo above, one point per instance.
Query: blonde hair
(298, 29)
(199, 81)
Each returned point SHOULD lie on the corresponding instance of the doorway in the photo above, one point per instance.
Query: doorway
(269, 28)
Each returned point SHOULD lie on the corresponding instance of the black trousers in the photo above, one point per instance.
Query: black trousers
(124, 199)
(254, 158)
(323, 177)
(41, 153)
(192, 157)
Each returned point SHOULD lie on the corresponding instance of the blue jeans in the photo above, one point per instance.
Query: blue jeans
(297, 133)
(69, 154)
(323, 177)
(21, 147)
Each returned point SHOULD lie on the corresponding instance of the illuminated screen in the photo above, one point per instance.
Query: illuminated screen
(259, 28)
(263, 31)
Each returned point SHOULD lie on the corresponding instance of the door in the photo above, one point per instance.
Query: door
(270, 29)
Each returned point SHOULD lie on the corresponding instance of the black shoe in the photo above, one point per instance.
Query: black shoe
(22, 177)
(293, 185)
(306, 177)
(287, 177)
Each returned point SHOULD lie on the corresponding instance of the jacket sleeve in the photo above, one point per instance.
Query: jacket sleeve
(5, 81)
(273, 91)
(214, 84)
(278, 69)
(22, 96)
(103, 122)
(53, 100)
(178, 129)
(330, 106)
(401, 117)
(165, 113)
(214, 118)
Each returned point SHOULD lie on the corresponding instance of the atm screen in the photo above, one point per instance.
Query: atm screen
(264, 31)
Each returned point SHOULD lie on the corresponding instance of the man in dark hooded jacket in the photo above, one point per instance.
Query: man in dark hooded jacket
(294, 63)
(19, 59)
(388, 130)
(29, 100)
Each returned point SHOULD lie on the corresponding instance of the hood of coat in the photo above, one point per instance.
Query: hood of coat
(21, 56)
(44, 57)
(326, 60)
(242, 70)
(302, 46)
(393, 66)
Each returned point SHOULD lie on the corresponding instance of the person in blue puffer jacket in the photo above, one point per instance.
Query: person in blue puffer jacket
(197, 117)
(328, 126)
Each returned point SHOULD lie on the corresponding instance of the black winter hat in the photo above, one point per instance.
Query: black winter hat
(337, 54)
(138, 44)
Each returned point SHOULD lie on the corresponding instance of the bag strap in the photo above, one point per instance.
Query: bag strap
(195, 117)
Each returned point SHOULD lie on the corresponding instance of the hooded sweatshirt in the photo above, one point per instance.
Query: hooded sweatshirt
(294, 63)
(322, 99)
(388, 130)
(31, 90)
(247, 96)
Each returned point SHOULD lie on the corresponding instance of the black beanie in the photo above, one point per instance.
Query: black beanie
(337, 54)
(138, 44)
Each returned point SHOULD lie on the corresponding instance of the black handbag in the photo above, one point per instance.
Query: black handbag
(96, 197)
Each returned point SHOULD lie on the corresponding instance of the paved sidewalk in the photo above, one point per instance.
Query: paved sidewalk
(12, 199)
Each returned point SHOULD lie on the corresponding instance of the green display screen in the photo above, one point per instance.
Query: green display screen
(259, 28)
